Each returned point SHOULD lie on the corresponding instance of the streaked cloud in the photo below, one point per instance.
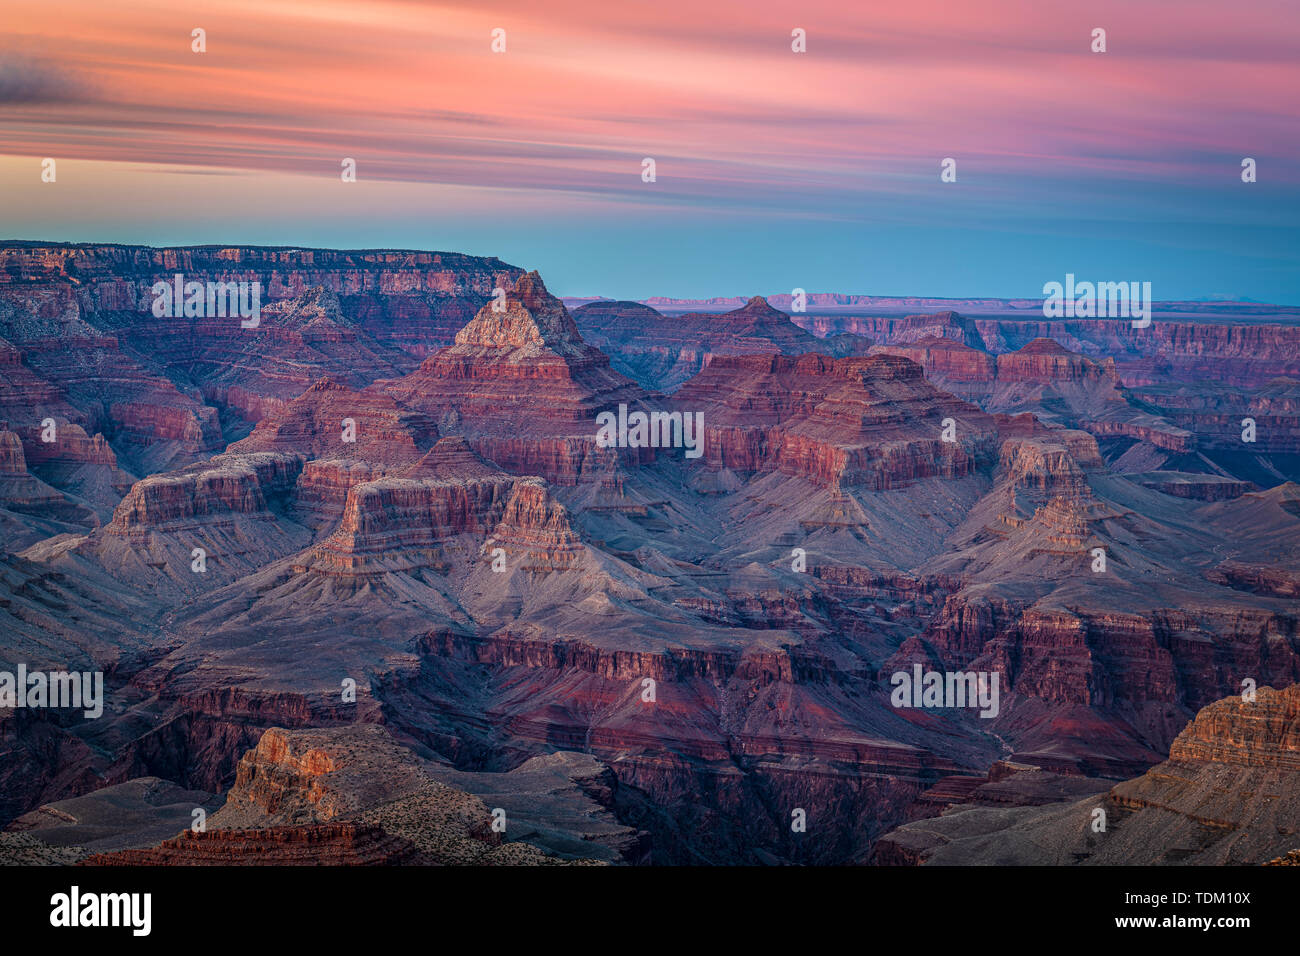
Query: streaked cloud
(851, 131)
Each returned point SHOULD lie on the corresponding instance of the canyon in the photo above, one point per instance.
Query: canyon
(363, 575)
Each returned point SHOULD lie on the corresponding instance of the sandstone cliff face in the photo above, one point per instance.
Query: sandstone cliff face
(1249, 352)
(351, 437)
(1072, 595)
(1058, 386)
(405, 523)
(31, 510)
(231, 509)
(25, 397)
(1043, 482)
(451, 457)
(661, 352)
(1263, 732)
(1227, 795)
(411, 299)
(532, 322)
(80, 464)
(946, 324)
(296, 780)
(240, 484)
(1214, 412)
(323, 487)
(1170, 397)
(1181, 484)
(79, 338)
(1045, 360)
(252, 372)
(315, 424)
(874, 422)
(69, 368)
(282, 779)
(524, 389)
(13, 463)
(1276, 580)
(960, 369)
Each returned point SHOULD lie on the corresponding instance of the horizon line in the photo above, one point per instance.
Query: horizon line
(981, 297)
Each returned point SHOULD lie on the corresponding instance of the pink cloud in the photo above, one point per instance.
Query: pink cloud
(712, 91)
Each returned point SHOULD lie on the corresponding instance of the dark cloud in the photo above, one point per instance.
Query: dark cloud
(28, 82)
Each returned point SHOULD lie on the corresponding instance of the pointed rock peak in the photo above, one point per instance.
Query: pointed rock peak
(531, 290)
(530, 318)
(451, 457)
(757, 316)
(1045, 346)
(758, 305)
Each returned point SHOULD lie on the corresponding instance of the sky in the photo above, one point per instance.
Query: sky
(773, 169)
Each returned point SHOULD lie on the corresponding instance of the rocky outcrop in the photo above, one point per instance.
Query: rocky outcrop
(350, 437)
(1250, 730)
(1248, 352)
(30, 509)
(407, 523)
(450, 458)
(1197, 487)
(74, 369)
(411, 299)
(661, 352)
(229, 484)
(533, 322)
(872, 422)
(1273, 580)
(916, 328)
(341, 844)
(252, 372)
(960, 369)
(1044, 360)
(524, 390)
(307, 778)
(1216, 413)
(201, 526)
(1172, 397)
(78, 329)
(20, 490)
(331, 420)
(82, 465)
(1058, 386)
(1227, 795)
